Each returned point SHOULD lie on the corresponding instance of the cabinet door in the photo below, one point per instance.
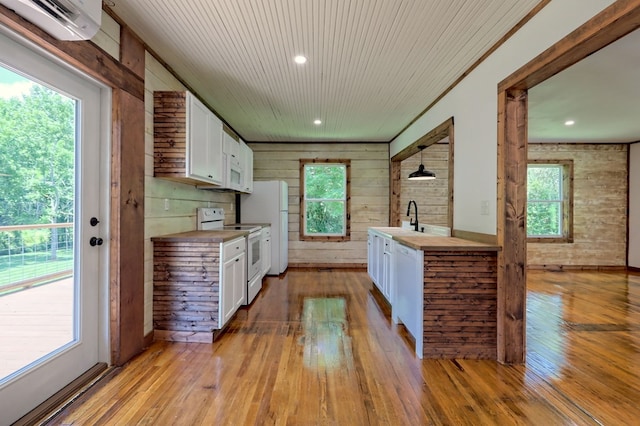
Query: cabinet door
(227, 290)
(370, 259)
(197, 139)
(240, 281)
(247, 156)
(386, 276)
(378, 250)
(214, 150)
(266, 255)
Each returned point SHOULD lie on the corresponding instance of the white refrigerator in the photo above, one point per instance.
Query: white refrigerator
(269, 203)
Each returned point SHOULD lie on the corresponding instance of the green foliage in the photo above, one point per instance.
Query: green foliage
(37, 149)
(544, 195)
(325, 198)
(325, 217)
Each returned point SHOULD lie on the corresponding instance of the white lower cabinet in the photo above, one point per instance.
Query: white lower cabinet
(233, 278)
(266, 251)
(379, 262)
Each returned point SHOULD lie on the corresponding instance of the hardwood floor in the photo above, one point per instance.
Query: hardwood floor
(317, 348)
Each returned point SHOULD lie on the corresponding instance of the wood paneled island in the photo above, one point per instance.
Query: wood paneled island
(450, 304)
(194, 293)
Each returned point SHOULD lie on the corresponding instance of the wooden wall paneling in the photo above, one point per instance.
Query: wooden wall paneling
(599, 206)
(432, 197)
(460, 304)
(127, 232)
(442, 131)
(369, 195)
(186, 294)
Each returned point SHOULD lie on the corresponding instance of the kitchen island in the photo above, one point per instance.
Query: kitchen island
(444, 290)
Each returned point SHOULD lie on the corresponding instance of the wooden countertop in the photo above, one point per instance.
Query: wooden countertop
(215, 236)
(202, 236)
(426, 242)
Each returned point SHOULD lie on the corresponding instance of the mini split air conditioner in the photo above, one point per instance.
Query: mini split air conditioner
(63, 19)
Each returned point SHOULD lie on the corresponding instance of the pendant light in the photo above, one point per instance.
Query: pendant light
(421, 173)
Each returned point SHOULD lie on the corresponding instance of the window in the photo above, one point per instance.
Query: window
(324, 202)
(549, 201)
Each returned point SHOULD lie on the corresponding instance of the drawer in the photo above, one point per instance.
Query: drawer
(231, 249)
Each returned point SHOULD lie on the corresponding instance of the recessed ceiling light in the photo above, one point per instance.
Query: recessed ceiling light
(569, 123)
(299, 59)
(317, 122)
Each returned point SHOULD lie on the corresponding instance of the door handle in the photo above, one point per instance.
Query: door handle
(95, 241)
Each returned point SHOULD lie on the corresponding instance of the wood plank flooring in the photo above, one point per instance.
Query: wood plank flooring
(316, 347)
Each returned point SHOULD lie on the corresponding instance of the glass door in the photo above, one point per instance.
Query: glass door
(50, 247)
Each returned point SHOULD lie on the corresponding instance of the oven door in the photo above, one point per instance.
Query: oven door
(254, 262)
(254, 265)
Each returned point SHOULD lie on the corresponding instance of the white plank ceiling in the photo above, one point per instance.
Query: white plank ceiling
(373, 65)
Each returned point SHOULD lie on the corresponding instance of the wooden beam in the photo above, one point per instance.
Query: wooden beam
(434, 136)
(127, 211)
(614, 22)
(132, 51)
(395, 190)
(511, 216)
(127, 232)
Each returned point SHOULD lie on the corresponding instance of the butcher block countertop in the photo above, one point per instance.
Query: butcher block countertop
(202, 236)
(426, 242)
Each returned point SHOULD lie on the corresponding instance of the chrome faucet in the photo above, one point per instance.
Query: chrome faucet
(411, 222)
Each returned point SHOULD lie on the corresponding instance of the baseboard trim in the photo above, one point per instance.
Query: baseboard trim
(63, 397)
(633, 269)
(560, 268)
(357, 266)
(148, 339)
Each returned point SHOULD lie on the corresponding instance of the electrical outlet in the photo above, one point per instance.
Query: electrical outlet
(484, 208)
(166, 204)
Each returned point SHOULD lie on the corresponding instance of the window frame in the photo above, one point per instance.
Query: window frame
(326, 161)
(566, 202)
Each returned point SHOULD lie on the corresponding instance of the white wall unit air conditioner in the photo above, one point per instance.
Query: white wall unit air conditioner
(63, 19)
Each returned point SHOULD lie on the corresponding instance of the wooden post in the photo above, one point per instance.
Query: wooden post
(511, 213)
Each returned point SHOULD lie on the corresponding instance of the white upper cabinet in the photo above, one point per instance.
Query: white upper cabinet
(247, 156)
(231, 146)
(187, 140)
(204, 143)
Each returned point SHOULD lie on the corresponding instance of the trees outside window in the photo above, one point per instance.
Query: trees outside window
(549, 200)
(324, 202)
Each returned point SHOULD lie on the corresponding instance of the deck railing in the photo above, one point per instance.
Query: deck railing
(34, 254)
